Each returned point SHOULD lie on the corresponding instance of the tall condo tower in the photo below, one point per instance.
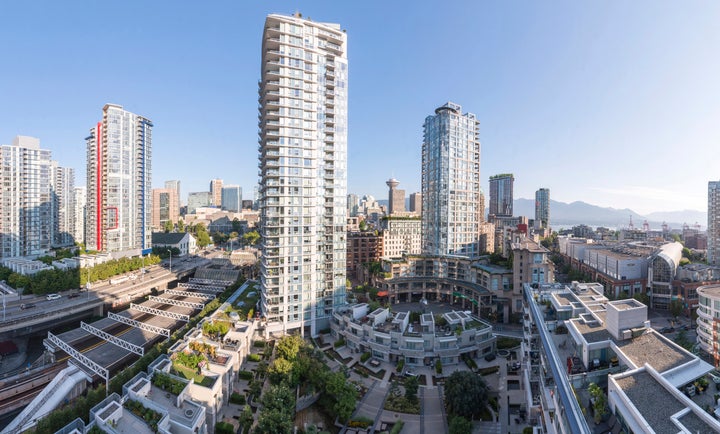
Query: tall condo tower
(416, 203)
(26, 211)
(713, 227)
(396, 197)
(303, 178)
(501, 195)
(175, 185)
(451, 191)
(63, 204)
(216, 186)
(542, 208)
(80, 199)
(119, 150)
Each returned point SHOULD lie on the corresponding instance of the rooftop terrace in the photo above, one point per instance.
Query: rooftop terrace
(651, 348)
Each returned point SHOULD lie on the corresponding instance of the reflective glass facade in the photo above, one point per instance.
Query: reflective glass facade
(451, 193)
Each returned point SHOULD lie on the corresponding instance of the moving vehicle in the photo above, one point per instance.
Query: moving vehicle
(27, 306)
(53, 296)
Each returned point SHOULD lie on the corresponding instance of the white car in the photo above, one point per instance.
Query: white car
(53, 296)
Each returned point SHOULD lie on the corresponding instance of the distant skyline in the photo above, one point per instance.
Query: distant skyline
(611, 103)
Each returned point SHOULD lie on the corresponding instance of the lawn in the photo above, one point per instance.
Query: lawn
(187, 373)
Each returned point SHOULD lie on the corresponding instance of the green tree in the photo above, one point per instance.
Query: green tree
(289, 346)
(219, 238)
(598, 401)
(375, 268)
(181, 225)
(363, 225)
(411, 389)
(676, 308)
(169, 226)
(236, 225)
(280, 370)
(203, 238)
(246, 417)
(460, 425)
(466, 394)
(339, 397)
(676, 238)
(251, 238)
(273, 421)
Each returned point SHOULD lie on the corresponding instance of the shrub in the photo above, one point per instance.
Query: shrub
(397, 427)
(237, 398)
(259, 344)
(360, 422)
(254, 357)
(470, 363)
(438, 366)
(400, 365)
(224, 428)
(340, 342)
(504, 343)
(246, 375)
(365, 356)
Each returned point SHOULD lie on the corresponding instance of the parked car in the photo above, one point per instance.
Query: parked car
(53, 296)
(27, 306)
(73, 295)
(490, 357)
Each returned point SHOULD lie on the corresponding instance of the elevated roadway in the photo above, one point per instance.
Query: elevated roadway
(32, 315)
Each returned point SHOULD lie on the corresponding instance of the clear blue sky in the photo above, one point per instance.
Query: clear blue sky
(613, 103)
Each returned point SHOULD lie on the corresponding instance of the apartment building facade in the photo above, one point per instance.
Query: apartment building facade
(119, 183)
(401, 235)
(165, 207)
(26, 199)
(451, 190)
(303, 172)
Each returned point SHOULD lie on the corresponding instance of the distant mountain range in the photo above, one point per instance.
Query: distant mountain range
(578, 212)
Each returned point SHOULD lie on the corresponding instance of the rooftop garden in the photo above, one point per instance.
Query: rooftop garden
(189, 366)
(245, 304)
(216, 329)
(168, 383)
(150, 416)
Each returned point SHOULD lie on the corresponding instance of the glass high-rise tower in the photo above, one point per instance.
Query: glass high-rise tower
(542, 208)
(303, 172)
(451, 193)
(501, 195)
(119, 175)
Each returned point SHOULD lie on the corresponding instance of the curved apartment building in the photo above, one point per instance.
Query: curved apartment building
(708, 321)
